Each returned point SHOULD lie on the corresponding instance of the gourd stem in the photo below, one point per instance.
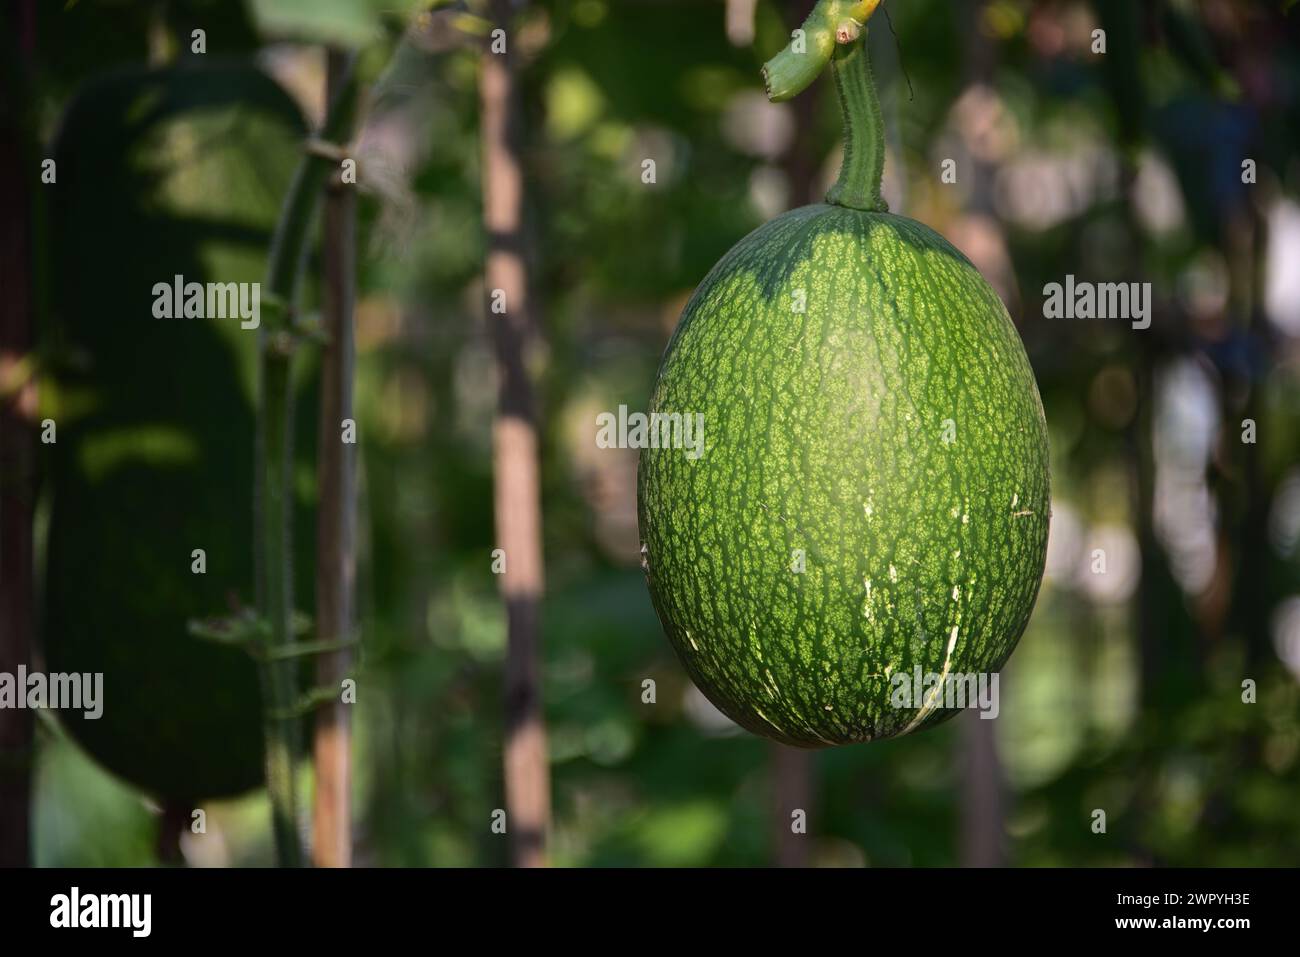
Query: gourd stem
(858, 186)
(811, 46)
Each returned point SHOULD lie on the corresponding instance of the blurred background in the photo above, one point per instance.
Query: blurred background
(1176, 449)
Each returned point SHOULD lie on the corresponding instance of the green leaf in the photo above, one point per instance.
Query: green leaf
(352, 23)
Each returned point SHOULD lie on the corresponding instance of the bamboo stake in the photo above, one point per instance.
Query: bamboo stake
(335, 519)
(517, 486)
(274, 500)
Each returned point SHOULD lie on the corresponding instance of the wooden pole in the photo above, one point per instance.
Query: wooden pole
(515, 452)
(335, 517)
(792, 789)
(272, 531)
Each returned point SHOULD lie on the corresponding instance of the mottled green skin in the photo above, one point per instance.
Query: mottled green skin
(825, 431)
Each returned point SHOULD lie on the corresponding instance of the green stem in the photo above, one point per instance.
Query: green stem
(275, 588)
(858, 186)
(274, 569)
(811, 46)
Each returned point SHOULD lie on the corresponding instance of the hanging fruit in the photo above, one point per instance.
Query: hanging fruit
(869, 515)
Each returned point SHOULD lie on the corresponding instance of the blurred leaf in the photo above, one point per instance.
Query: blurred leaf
(346, 23)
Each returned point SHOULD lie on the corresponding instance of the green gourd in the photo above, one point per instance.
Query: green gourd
(162, 173)
(872, 501)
